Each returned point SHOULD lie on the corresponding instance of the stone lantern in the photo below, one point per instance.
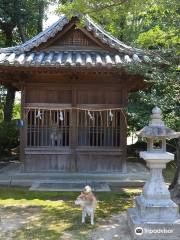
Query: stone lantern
(155, 215)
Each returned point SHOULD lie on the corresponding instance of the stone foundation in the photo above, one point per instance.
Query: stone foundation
(152, 230)
(156, 209)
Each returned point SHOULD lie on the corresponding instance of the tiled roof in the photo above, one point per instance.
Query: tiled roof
(23, 55)
(51, 31)
(70, 58)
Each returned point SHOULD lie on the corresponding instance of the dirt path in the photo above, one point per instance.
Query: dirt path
(14, 219)
(115, 228)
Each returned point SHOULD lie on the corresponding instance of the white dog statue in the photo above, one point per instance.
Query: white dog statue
(88, 203)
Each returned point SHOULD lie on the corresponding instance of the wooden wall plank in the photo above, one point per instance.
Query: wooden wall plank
(87, 95)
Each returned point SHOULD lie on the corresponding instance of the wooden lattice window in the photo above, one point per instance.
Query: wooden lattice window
(51, 128)
(48, 128)
(99, 128)
(76, 37)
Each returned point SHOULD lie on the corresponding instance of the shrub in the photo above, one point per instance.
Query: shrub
(9, 136)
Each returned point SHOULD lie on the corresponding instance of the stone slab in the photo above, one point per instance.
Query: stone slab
(68, 186)
(136, 176)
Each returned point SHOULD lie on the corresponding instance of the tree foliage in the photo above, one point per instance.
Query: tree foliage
(9, 136)
(19, 21)
(22, 17)
(152, 25)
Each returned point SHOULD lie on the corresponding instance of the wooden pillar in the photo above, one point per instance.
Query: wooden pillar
(123, 140)
(23, 133)
(124, 101)
(73, 133)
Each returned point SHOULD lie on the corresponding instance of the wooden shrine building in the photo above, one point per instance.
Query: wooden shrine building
(74, 82)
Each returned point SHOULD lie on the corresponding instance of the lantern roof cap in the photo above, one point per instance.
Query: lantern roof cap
(157, 128)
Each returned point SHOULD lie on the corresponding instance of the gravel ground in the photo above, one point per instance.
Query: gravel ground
(115, 228)
(14, 218)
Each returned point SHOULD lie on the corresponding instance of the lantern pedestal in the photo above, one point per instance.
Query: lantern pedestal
(155, 216)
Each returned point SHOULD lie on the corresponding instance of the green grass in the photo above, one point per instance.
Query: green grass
(53, 215)
(50, 215)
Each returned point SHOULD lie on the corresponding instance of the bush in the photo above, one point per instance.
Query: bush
(9, 136)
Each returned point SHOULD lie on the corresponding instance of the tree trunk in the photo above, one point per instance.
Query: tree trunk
(122, 23)
(19, 21)
(41, 7)
(10, 96)
(9, 103)
(175, 185)
(22, 32)
(8, 36)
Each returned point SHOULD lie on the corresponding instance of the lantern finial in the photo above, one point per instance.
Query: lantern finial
(156, 117)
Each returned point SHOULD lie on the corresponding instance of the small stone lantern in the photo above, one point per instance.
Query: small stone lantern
(155, 216)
